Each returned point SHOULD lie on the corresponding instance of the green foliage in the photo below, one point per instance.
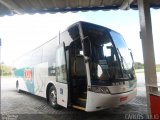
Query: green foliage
(5, 70)
(138, 65)
(158, 68)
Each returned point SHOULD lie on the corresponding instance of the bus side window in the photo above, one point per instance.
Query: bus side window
(49, 51)
(27, 61)
(65, 37)
(36, 57)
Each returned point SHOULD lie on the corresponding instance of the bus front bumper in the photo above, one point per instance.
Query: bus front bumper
(98, 101)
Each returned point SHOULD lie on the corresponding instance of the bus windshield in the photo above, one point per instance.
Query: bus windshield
(124, 55)
(122, 49)
(110, 58)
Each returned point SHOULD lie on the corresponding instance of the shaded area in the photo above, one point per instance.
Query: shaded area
(11, 7)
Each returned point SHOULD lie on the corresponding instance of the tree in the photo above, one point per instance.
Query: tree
(5, 70)
(138, 65)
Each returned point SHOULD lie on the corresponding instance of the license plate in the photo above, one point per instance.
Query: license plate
(123, 98)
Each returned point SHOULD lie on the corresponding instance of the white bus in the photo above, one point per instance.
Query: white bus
(87, 67)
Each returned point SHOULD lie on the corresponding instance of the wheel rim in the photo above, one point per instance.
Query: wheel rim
(53, 97)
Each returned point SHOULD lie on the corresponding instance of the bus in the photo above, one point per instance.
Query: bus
(87, 67)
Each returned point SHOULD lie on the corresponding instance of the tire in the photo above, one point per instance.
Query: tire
(53, 97)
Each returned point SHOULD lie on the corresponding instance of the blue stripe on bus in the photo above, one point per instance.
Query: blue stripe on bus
(29, 83)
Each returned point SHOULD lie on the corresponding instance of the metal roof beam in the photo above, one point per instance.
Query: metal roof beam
(76, 9)
(12, 6)
(126, 4)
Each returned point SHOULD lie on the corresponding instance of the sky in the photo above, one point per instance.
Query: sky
(22, 33)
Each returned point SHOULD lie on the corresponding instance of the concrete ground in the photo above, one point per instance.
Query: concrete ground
(24, 106)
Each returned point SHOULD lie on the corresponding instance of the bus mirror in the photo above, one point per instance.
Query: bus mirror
(87, 46)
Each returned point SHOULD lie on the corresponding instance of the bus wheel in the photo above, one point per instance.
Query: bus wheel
(53, 97)
(17, 86)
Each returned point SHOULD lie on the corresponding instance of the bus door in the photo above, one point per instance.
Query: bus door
(61, 76)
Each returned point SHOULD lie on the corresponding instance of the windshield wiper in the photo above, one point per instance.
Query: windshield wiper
(123, 64)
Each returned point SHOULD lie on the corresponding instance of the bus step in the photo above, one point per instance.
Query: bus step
(82, 99)
(81, 102)
(78, 107)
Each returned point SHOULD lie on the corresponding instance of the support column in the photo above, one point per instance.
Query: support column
(147, 45)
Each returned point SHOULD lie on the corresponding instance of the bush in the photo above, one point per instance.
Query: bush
(5, 70)
(138, 65)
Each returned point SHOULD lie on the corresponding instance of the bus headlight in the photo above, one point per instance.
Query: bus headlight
(99, 89)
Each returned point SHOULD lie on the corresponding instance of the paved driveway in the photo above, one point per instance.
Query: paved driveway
(24, 106)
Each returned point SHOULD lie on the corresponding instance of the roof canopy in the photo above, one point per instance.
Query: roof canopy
(11, 7)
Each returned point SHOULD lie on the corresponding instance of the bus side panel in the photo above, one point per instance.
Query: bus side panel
(42, 78)
(22, 85)
(25, 79)
(35, 80)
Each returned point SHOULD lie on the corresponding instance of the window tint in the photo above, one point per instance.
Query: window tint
(24, 61)
(36, 57)
(65, 37)
(122, 49)
(61, 72)
(70, 35)
(49, 50)
(27, 61)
